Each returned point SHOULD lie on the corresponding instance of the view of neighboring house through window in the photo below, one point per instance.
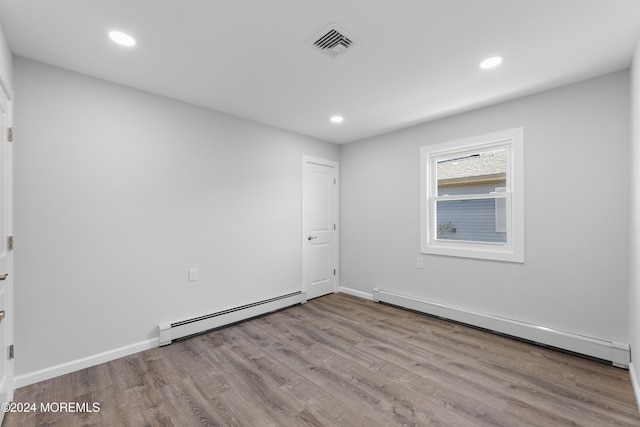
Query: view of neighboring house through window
(472, 203)
(471, 200)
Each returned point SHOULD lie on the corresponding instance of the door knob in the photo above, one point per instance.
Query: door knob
(312, 237)
(3, 276)
(1, 314)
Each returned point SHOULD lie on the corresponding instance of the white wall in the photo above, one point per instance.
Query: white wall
(119, 192)
(576, 273)
(634, 288)
(6, 63)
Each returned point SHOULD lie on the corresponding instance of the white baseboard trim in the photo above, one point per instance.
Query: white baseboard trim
(355, 293)
(85, 362)
(619, 354)
(634, 383)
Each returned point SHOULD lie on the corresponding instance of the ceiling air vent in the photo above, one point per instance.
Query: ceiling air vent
(332, 40)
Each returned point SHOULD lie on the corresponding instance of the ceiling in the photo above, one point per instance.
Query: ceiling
(411, 61)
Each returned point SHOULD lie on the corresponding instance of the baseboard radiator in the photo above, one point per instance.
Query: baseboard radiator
(170, 332)
(618, 354)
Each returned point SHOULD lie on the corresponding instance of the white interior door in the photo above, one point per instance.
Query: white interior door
(6, 298)
(319, 226)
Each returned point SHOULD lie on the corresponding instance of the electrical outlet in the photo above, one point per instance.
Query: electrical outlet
(193, 274)
(420, 262)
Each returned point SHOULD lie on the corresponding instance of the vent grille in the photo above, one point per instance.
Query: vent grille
(332, 40)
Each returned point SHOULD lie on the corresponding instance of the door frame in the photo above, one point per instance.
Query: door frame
(335, 193)
(9, 307)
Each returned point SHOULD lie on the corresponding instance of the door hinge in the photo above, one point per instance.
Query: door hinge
(334, 271)
(10, 134)
(334, 181)
(10, 243)
(334, 227)
(11, 352)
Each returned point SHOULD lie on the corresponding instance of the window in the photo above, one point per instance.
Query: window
(472, 201)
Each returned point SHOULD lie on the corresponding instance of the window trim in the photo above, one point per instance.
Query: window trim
(513, 249)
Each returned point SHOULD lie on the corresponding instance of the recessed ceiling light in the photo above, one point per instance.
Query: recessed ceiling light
(494, 61)
(121, 38)
(337, 119)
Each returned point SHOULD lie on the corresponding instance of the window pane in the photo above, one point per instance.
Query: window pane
(501, 212)
(470, 220)
(473, 173)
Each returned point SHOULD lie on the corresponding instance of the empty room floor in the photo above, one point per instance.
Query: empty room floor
(340, 361)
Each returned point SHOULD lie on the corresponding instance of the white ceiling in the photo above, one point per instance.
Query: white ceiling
(413, 60)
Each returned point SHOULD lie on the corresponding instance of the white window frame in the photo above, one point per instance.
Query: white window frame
(513, 249)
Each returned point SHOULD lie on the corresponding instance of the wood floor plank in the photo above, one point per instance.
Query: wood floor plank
(341, 361)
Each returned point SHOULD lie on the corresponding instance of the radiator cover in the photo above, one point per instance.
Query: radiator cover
(170, 332)
(619, 354)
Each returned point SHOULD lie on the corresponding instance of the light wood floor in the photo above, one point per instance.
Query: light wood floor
(341, 361)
